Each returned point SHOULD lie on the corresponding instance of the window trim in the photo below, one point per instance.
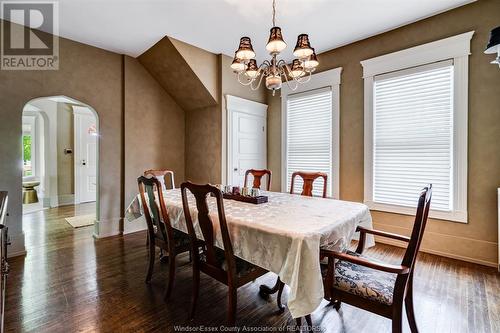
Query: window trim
(330, 78)
(458, 49)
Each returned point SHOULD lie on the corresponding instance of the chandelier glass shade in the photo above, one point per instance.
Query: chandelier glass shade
(275, 71)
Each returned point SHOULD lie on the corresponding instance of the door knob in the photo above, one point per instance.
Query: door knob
(235, 169)
(84, 162)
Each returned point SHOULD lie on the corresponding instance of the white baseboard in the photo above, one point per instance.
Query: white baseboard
(66, 199)
(136, 225)
(107, 228)
(16, 247)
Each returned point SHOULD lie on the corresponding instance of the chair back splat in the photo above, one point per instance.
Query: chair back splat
(150, 189)
(257, 178)
(201, 193)
(308, 179)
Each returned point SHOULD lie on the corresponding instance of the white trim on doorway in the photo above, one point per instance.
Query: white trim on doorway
(238, 104)
(78, 112)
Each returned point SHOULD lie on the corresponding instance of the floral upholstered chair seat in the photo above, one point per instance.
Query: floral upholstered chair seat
(362, 281)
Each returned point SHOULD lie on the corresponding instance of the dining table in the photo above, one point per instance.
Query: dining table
(283, 235)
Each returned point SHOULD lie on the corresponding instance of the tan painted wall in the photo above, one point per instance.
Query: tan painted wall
(154, 128)
(204, 128)
(477, 240)
(100, 79)
(177, 77)
(65, 139)
(88, 74)
(203, 63)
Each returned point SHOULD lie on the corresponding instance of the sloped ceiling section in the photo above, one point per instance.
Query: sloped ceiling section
(187, 73)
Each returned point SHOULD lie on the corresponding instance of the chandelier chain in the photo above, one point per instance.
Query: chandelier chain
(274, 13)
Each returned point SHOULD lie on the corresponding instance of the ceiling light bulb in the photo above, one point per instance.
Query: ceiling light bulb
(297, 69)
(302, 48)
(311, 62)
(237, 65)
(245, 50)
(252, 69)
(275, 44)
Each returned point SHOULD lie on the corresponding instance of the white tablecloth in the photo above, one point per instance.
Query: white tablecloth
(283, 236)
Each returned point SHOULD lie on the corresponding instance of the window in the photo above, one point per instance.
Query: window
(416, 128)
(309, 136)
(27, 169)
(29, 146)
(310, 131)
(413, 136)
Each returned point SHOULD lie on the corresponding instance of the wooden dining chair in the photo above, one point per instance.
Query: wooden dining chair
(160, 231)
(372, 285)
(161, 175)
(308, 179)
(222, 265)
(257, 177)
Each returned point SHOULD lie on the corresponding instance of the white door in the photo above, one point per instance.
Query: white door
(85, 155)
(247, 136)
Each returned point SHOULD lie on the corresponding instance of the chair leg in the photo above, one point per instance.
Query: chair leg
(335, 303)
(232, 300)
(308, 321)
(278, 299)
(171, 277)
(410, 311)
(151, 265)
(196, 289)
(397, 318)
(265, 291)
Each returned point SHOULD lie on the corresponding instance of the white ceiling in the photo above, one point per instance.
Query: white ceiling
(132, 26)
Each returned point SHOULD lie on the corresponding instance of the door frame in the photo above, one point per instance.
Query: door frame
(238, 104)
(76, 151)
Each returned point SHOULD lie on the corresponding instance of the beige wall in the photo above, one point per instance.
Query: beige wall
(477, 240)
(88, 74)
(154, 128)
(178, 77)
(124, 95)
(65, 162)
(204, 127)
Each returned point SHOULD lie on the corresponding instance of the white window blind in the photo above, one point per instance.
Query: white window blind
(413, 135)
(309, 137)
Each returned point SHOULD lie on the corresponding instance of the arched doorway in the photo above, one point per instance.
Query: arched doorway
(60, 160)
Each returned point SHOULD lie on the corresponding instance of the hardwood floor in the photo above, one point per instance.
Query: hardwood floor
(69, 282)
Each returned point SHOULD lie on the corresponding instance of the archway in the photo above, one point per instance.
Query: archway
(64, 166)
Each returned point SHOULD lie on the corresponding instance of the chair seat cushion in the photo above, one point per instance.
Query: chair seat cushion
(243, 267)
(362, 281)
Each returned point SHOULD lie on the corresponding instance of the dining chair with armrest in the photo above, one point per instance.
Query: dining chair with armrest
(372, 285)
(220, 264)
(257, 178)
(160, 231)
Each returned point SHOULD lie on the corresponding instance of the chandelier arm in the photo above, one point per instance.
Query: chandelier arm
(259, 82)
(247, 83)
(305, 79)
(293, 88)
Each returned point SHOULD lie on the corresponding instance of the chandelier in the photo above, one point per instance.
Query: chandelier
(275, 71)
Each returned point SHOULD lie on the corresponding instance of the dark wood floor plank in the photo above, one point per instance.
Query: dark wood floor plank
(70, 282)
